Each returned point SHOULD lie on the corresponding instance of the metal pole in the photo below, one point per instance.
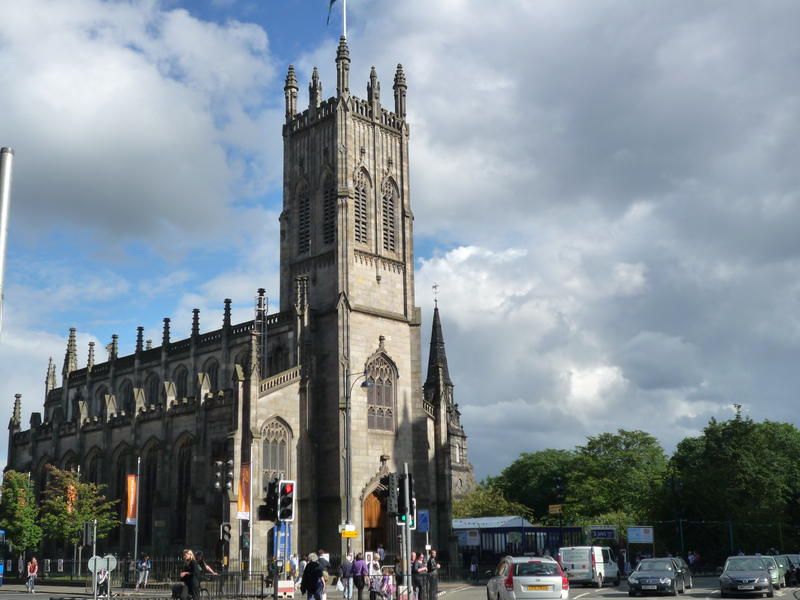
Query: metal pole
(347, 453)
(407, 531)
(6, 164)
(250, 528)
(94, 553)
(136, 525)
(344, 21)
(680, 528)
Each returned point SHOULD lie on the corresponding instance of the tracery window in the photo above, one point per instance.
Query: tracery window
(152, 389)
(126, 397)
(360, 208)
(99, 405)
(328, 212)
(303, 220)
(180, 377)
(380, 395)
(211, 369)
(275, 455)
(183, 481)
(147, 491)
(389, 210)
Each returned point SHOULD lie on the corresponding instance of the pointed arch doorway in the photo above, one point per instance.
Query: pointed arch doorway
(375, 522)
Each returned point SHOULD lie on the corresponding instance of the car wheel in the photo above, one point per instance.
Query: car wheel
(674, 590)
(631, 593)
(683, 587)
(691, 584)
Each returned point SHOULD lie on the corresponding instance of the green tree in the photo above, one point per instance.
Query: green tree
(487, 501)
(536, 480)
(19, 513)
(616, 473)
(69, 503)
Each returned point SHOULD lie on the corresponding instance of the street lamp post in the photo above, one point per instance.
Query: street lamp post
(348, 451)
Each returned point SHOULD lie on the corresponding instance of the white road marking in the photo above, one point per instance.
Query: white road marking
(582, 595)
(466, 587)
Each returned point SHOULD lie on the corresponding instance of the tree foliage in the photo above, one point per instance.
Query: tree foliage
(19, 512)
(69, 503)
(488, 501)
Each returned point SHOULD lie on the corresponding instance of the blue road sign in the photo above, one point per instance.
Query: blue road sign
(423, 520)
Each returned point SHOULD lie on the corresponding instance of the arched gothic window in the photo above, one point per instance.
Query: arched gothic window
(120, 492)
(303, 220)
(93, 469)
(389, 211)
(275, 455)
(147, 492)
(180, 378)
(153, 389)
(183, 480)
(126, 397)
(99, 405)
(211, 368)
(360, 206)
(380, 395)
(328, 211)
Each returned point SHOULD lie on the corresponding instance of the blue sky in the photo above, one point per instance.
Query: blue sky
(606, 193)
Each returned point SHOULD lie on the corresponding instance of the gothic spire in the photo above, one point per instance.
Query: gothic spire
(165, 334)
(90, 360)
(374, 90)
(342, 68)
(50, 380)
(139, 339)
(71, 356)
(290, 92)
(16, 415)
(314, 90)
(400, 92)
(437, 359)
(195, 322)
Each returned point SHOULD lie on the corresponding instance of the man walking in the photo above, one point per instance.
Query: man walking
(433, 576)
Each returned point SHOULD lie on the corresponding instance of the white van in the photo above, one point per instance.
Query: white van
(589, 564)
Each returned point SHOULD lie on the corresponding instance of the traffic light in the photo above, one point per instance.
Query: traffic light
(229, 475)
(286, 488)
(413, 524)
(391, 500)
(268, 510)
(218, 476)
(225, 532)
(245, 539)
(406, 490)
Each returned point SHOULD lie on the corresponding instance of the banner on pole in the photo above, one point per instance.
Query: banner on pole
(243, 505)
(72, 497)
(131, 512)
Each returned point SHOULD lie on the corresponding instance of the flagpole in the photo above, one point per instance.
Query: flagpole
(250, 525)
(6, 162)
(136, 526)
(344, 19)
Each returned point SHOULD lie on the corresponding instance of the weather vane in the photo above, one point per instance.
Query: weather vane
(435, 288)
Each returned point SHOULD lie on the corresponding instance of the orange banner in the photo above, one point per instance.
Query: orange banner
(133, 511)
(72, 497)
(243, 505)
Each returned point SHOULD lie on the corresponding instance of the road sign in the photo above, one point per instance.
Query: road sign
(554, 509)
(423, 520)
(107, 562)
(349, 534)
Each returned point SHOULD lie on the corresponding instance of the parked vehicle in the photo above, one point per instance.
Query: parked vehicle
(685, 571)
(775, 574)
(746, 575)
(657, 575)
(594, 565)
(527, 578)
(785, 566)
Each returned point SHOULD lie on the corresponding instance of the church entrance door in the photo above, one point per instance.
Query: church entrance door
(374, 521)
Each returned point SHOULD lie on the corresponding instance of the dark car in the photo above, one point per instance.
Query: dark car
(685, 571)
(746, 575)
(656, 575)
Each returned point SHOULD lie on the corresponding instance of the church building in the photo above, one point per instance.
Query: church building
(287, 394)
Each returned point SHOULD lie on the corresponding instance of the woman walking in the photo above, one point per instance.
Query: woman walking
(190, 576)
(360, 574)
(33, 572)
(313, 582)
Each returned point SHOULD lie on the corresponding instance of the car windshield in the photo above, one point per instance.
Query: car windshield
(655, 565)
(536, 567)
(768, 560)
(744, 564)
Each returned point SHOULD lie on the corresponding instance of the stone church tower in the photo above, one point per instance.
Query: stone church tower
(273, 392)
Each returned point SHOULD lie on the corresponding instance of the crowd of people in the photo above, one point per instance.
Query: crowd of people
(368, 573)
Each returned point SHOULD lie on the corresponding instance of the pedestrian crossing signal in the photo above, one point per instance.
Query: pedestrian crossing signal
(286, 489)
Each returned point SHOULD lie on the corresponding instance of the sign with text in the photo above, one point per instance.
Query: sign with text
(640, 535)
(349, 534)
(423, 520)
(554, 509)
(603, 532)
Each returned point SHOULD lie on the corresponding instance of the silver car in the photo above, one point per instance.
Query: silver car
(745, 575)
(527, 578)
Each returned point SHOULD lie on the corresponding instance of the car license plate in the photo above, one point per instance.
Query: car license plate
(538, 588)
(747, 587)
(649, 587)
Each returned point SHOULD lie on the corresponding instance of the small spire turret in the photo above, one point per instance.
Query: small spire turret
(50, 380)
(90, 360)
(71, 356)
(314, 90)
(342, 68)
(374, 91)
(165, 335)
(290, 92)
(139, 339)
(16, 413)
(195, 322)
(113, 352)
(400, 92)
(226, 315)
(148, 344)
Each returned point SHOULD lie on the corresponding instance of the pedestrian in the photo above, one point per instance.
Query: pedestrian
(387, 584)
(204, 566)
(33, 573)
(375, 578)
(381, 553)
(190, 576)
(301, 567)
(346, 577)
(313, 582)
(433, 567)
(418, 571)
(324, 561)
(473, 568)
(293, 567)
(360, 574)
(102, 583)
(143, 567)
